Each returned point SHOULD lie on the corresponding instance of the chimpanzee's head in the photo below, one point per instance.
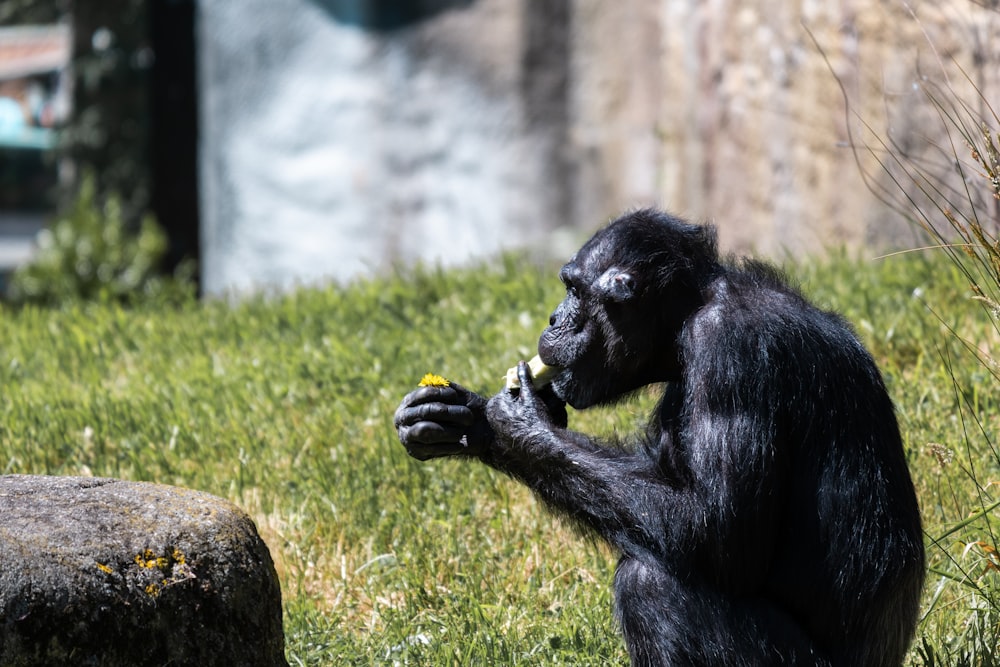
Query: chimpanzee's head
(629, 290)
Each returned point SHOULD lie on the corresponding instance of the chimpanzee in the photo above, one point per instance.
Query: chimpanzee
(765, 515)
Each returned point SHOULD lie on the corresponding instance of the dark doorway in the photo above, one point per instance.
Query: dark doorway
(174, 127)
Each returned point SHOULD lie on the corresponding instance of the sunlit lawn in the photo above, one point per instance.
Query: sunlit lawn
(284, 405)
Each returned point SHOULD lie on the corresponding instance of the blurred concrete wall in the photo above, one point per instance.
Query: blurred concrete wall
(331, 148)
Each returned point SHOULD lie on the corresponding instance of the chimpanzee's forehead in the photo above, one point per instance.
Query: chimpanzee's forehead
(608, 247)
(587, 261)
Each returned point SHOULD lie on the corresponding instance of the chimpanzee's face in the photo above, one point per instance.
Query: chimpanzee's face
(604, 332)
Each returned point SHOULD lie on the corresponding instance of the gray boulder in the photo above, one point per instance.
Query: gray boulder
(114, 573)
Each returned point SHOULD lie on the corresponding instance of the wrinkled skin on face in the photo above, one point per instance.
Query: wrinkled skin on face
(610, 334)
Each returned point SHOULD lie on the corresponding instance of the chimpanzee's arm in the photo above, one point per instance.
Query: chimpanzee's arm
(614, 492)
(626, 497)
(617, 493)
(729, 495)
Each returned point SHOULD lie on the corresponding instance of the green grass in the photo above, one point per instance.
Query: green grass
(284, 405)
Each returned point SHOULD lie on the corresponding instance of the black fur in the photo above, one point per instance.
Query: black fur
(766, 515)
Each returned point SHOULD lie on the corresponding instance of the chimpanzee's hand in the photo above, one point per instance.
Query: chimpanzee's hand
(443, 421)
(519, 414)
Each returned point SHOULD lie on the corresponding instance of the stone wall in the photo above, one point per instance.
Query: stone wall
(758, 131)
(330, 149)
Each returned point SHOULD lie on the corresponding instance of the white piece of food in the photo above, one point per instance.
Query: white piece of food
(540, 373)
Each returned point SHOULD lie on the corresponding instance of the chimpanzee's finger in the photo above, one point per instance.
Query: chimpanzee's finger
(444, 413)
(556, 406)
(525, 378)
(431, 394)
(424, 452)
(430, 433)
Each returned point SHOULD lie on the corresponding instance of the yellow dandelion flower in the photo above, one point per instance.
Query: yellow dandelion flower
(432, 380)
(104, 568)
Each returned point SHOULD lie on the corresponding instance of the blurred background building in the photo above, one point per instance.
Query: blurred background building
(282, 142)
(34, 99)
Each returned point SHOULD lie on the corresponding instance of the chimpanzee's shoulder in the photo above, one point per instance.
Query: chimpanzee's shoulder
(755, 305)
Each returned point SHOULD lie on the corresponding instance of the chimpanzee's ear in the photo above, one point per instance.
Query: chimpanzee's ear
(615, 285)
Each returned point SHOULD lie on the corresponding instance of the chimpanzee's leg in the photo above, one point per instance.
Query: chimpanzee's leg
(667, 621)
